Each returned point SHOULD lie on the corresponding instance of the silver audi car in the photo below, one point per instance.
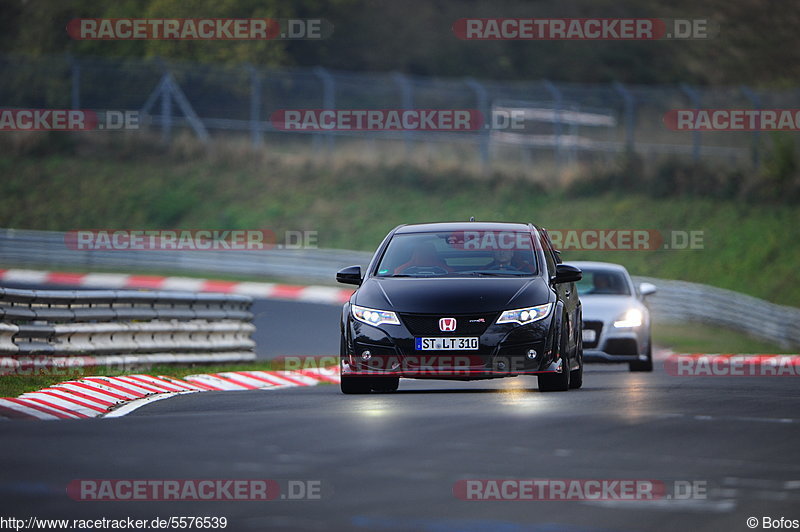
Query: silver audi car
(616, 322)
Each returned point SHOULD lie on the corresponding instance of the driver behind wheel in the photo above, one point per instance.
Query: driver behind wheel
(508, 259)
(424, 256)
(603, 284)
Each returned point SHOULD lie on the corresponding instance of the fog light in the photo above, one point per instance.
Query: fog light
(501, 365)
(531, 354)
(366, 355)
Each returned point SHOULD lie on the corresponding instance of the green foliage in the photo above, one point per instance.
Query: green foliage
(781, 179)
(754, 44)
(748, 246)
(702, 338)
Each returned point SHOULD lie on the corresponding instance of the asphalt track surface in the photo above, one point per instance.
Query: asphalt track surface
(390, 461)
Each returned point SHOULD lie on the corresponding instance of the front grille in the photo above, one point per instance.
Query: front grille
(466, 325)
(597, 327)
(621, 346)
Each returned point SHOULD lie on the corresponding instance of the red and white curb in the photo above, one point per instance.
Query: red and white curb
(93, 397)
(311, 294)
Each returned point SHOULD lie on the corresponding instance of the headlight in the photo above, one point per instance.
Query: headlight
(374, 317)
(632, 318)
(525, 315)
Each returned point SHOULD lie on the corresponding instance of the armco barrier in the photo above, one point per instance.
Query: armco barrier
(48, 248)
(681, 301)
(107, 327)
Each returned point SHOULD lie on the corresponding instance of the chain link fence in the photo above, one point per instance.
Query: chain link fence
(565, 122)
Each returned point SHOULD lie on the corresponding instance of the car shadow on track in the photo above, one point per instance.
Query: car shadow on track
(532, 389)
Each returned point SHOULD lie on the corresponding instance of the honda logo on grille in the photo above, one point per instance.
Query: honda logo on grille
(447, 324)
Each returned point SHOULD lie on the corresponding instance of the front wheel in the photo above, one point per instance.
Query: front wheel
(350, 384)
(555, 382)
(644, 365)
(576, 376)
(355, 385)
(385, 384)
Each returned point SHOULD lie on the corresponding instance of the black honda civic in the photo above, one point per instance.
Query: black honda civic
(462, 300)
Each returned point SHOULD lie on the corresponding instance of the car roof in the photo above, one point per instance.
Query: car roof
(598, 265)
(461, 226)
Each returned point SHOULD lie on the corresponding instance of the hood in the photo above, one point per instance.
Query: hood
(452, 294)
(606, 308)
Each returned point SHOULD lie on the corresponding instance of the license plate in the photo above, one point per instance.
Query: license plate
(445, 344)
(589, 335)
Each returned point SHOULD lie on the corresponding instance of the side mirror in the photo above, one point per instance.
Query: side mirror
(349, 275)
(567, 274)
(646, 289)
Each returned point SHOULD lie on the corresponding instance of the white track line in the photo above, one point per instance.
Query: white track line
(129, 407)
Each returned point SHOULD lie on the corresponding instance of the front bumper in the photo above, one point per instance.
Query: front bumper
(502, 352)
(618, 347)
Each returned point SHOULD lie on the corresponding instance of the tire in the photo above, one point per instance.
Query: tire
(355, 385)
(352, 385)
(556, 382)
(646, 365)
(385, 384)
(576, 378)
(576, 375)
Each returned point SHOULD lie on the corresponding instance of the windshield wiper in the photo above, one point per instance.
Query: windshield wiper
(498, 274)
(412, 275)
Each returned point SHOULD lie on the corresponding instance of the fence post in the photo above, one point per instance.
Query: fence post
(558, 98)
(694, 97)
(75, 93)
(328, 100)
(756, 101)
(256, 134)
(172, 88)
(407, 97)
(166, 113)
(166, 102)
(630, 115)
(483, 106)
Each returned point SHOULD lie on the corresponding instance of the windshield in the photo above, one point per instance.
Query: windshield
(458, 254)
(603, 282)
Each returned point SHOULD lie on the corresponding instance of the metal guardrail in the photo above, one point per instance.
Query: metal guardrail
(121, 325)
(48, 248)
(681, 301)
(676, 301)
